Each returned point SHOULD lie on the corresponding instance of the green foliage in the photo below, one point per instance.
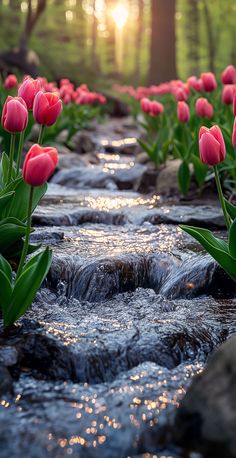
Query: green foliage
(16, 297)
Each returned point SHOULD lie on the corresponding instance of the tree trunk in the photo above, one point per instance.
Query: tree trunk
(162, 51)
(94, 62)
(210, 37)
(31, 21)
(138, 43)
(192, 37)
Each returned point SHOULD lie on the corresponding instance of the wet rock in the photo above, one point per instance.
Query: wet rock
(67, 215)
(94, 342)
(6, 381)
(127, 417)
(103, 279)
(68, 160)
(201, 215)
(8, 356)
(167, 182)
(142, 158)
(147, 181)
(83, 142)
(206, 419)
(97, 177)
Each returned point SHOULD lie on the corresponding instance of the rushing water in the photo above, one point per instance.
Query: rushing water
(129, 313)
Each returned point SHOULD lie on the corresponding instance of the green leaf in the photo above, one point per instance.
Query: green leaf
(232, 239)
(231, 209)
(6, 292)
(27, 285)
(184, 177)
(6, 268)
(19, 204)
(217, 248)
(11, 230)
(200, 169)
(4, 199)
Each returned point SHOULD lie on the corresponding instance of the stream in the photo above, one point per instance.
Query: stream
(128, 314)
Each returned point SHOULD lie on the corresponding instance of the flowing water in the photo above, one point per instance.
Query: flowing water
(129, 313)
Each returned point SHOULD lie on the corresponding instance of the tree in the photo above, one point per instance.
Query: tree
(163, 40)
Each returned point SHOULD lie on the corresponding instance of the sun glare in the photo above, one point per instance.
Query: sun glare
(120, 15)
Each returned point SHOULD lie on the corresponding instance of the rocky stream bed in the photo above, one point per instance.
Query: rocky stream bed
(129, 313)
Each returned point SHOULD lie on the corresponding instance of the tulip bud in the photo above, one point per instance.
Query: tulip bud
(211, 145)
(145, 105)
(228, 94)
(156, 108)
(234, 104)
(183, 112)
(234, 134)
(10, 82)
(14, 115)
(204, 109)
(46, 108)
(28, 90)
(229, 75)
(208, 81)
(39, 164)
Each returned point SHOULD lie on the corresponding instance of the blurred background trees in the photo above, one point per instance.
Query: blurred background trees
(129, 41)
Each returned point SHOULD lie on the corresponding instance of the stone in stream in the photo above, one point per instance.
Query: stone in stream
(206, 419)
(97, 177)
(126, 417)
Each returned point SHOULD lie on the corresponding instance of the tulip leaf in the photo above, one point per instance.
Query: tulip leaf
(217, 248)
(27, 285)
(200, 169)
(6, 292)
(11, 230)
(6, 268)
(231, 209)
(4, 199)
(184, 177)
(232, 240)
(19, 204)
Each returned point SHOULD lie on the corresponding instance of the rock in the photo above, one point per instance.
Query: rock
(99, 177)
(206, 419)
(6, 381)
(167, 181)
(142, 158)
(8, 355)
(69, 159)
(83, 142)
(147, 181)
(62, 136)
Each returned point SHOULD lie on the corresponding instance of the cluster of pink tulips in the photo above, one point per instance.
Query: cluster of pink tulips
(66, 90)
(21, 191)
(180, 108)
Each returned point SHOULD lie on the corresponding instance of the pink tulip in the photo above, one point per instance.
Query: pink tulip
(183, 112)
(145, 105)
(234, 134)
(204, 109)
(28, 90)
(229, 75)
(14, 115)
(228, 94)
(46, 108)
(39, 164)
(156, 108)
(234, 104)
(211, 145)
(10, 82)
(208, 81)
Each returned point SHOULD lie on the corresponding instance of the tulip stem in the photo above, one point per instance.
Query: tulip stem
(11, 157)
(221, 197)
(21, 143)
(41, 133)
(27, 234)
